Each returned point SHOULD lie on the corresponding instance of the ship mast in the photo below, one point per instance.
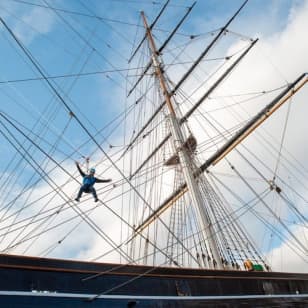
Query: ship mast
(184, 155)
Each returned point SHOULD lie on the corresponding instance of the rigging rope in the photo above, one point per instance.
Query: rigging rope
(269, 208)
(63, 195)
(282, 139)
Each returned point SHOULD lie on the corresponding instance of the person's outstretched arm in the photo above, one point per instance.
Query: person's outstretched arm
(79, 169)
(103, 180)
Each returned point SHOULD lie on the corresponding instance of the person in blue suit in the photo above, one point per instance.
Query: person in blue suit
(88, 183)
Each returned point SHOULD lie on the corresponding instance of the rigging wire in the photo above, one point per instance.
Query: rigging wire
(279, 158)
(40, 198)
(12, 187)
(216, 128)
(279, 155)
(63, 195)
(241, 227)
(277, 176)
(34, 29)
(47, 120)
(101, 55)
(242, 201)
(257, 95)
(120, 34)
(120, 266)
(261, 175)
(282, 139)
(42, 209)
(106, 19)
(15, 174)
(51, 152)
(80, 74)
(75, 13)
(75, 208)
(250, 208)
(50, 182)
(71, 85)
(269, 208)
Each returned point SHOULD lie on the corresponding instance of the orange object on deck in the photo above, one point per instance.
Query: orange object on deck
(248, 265)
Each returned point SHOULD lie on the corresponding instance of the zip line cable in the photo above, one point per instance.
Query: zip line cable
(47, 120)
(32, 189)
(87, 219)
(70, 117)
(49, 249)
(127, 239)
(77, 119)
(63, 195)
(58, 209)
(51, 152)
(109, 157)
(18, 196)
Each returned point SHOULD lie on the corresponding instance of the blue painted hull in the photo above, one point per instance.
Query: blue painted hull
(43, 282)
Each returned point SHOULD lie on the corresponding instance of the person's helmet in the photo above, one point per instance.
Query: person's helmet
(92, 170)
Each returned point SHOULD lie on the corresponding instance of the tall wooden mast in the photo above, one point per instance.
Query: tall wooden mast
(184, 155)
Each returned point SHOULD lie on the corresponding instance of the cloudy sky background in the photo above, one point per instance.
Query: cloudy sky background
(66, 43)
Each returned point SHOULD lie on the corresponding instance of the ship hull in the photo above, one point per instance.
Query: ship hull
(44, 282)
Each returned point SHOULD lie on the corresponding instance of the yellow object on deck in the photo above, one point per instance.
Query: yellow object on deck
(248, 265)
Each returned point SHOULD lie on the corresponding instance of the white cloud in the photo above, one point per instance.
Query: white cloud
(285, 50)
(288, 49)
(286, 258)
(279, 54)
(278, 58)
(37, 21)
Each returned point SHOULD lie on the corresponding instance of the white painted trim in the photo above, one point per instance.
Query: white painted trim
(138, 297)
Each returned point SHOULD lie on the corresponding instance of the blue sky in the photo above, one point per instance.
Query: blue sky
(67, 39)
(58, 41)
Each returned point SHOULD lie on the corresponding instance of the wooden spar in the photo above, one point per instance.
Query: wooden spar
(252, 125)
(161, 48)
(189, 113)
(185, 76)
(256, 121)
(158, 71)
(150, 156)
(151, 26)
(206, 51)
(176, 28)
(216, 84)
(161, 209)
